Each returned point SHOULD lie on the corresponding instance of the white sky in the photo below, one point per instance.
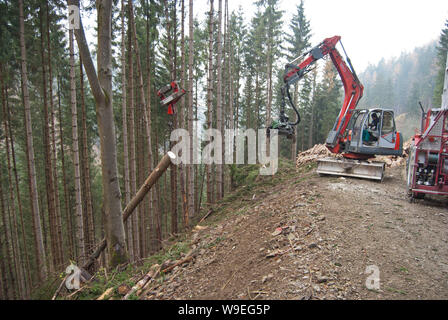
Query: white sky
(370, 29)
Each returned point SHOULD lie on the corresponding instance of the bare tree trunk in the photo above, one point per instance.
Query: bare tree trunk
(127, 184)
(140, 178)
(219, 107)
(101, 86)
(38, 239)
(80, 242)
(51, 204)
(3, 279)
(155, 212)
(294, 141)
(311, 133)
(9, 142)
(225, 96)
(58, 218)
(173, 173)
(9, 248)
(210, 191)
(13, 215)
(182, 174)
(89, 219)
(191, 168)
(67, 206)
(132, 164)
(145, 108)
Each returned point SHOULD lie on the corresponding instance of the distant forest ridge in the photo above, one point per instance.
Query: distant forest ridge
(401, 82)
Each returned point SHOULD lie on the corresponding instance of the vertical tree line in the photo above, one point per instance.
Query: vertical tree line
(82, 126)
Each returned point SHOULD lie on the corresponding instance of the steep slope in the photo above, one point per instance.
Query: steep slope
(301, 236)
(332, 229)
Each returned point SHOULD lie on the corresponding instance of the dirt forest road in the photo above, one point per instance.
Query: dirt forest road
(314, 237)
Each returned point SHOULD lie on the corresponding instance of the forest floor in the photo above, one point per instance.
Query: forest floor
(312, 237)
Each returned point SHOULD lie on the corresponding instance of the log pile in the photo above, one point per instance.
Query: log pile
(393, 161)
(318, 151)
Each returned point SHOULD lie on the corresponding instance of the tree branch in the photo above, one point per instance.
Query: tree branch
(84, 52)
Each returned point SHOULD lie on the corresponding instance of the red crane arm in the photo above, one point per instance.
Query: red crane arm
(352, 86)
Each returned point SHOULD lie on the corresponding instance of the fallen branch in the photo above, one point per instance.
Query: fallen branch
(277, 253)
(139, 285)
(206, 216)
(106, 294)
(231, 277)
(144, 288)
(59, 288)
(187, 259)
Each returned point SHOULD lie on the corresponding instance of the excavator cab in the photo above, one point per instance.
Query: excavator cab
(373, 132)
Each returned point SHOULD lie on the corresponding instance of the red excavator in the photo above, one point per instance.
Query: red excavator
(359, 134)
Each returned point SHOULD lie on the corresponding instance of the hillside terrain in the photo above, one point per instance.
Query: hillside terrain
(299, 235)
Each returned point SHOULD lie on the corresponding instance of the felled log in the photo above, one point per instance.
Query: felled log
(178, 263)
(143, 283)
(130, 207)
(106, 294)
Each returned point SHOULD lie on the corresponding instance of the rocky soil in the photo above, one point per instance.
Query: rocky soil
(314, 237)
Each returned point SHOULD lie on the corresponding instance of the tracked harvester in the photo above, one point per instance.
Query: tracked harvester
(359, 134)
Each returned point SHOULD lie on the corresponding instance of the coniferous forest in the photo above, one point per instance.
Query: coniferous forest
(82, 126)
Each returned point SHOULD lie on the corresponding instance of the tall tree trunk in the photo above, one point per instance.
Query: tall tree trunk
(38, 239)
(89, 219)
(182, 174)
(58, 218)
(10, 142)
(139, 135)
(132, 164)
(191, 168)
(219, 107)
(312, 111)
(80, 241)
(51, 204)
(295, 141)
(9, 248)
(210, 186)
(145, 107)
(67, 205)
(101, 86)
(155, 210)
(127, 184)
(3, 278)
(13, 215)
(173, 126)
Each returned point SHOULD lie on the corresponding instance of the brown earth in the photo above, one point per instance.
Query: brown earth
(313, 237)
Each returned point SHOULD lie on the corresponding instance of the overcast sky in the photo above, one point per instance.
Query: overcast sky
(370, 29)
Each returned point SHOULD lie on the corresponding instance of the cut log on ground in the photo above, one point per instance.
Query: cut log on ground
(206, 216)
(187, 259)
(141, 283)
(130, 207)
(106, 294)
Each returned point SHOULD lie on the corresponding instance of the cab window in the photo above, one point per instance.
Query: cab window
(388, 123)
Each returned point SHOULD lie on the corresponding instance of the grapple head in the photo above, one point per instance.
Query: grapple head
(283, 126)
(170, 94)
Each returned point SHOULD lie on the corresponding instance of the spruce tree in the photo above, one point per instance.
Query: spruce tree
(442, 50)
